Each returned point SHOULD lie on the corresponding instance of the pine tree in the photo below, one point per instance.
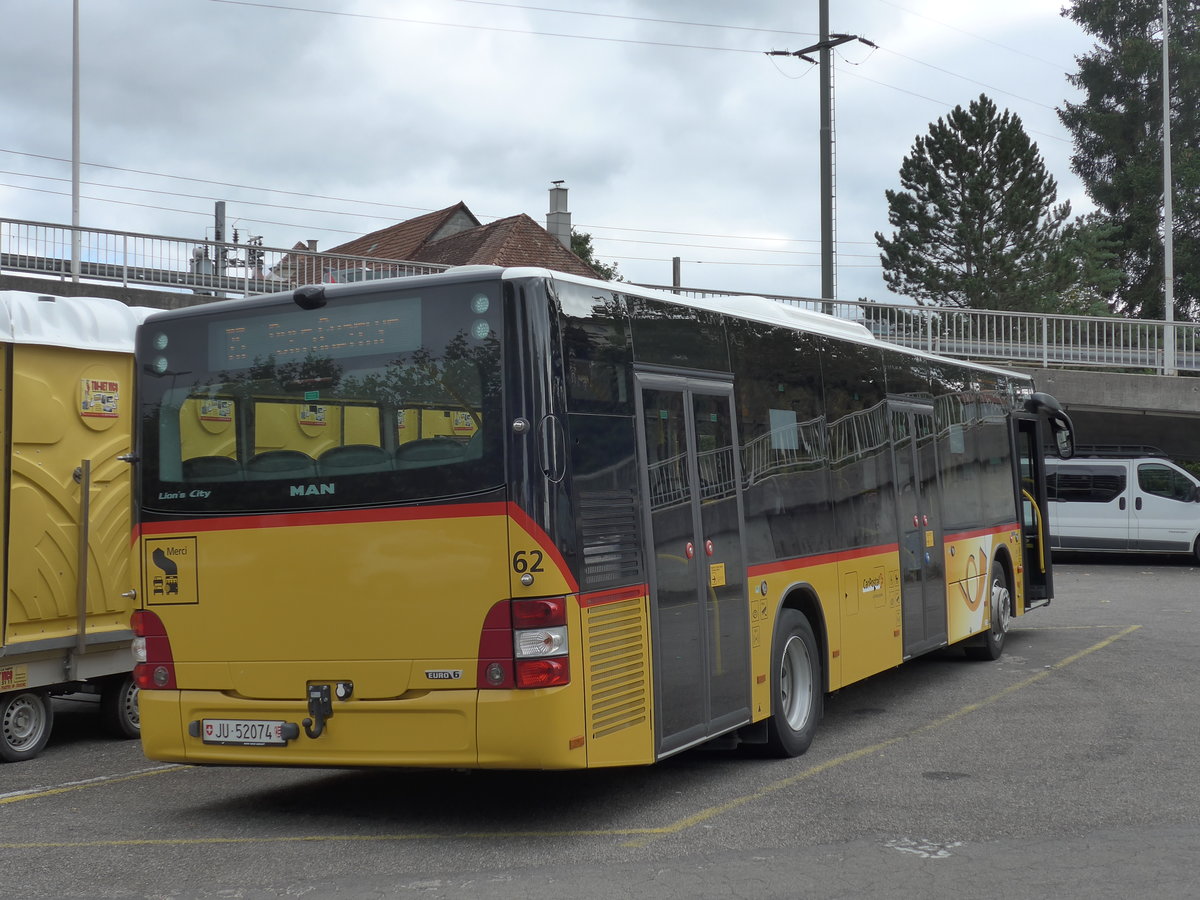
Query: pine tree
(977, 217)
(1118, 142)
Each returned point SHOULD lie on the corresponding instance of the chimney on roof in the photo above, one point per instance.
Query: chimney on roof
(558, 219)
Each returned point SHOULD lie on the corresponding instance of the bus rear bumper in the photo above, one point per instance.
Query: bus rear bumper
(445, 729)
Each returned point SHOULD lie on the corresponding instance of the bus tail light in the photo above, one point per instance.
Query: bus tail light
(524, 645)
(538, 673)
(154, 667)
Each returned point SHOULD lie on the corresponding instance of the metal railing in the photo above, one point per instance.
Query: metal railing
(1032, 339)
(213, 268)
(230, 269)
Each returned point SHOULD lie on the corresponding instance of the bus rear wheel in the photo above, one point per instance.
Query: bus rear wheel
(991, 644)
(797, 700)
(26, 718)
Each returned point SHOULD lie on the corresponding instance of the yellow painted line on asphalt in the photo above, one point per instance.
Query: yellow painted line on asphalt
(68, 787)
(640, 836)
(713, 811)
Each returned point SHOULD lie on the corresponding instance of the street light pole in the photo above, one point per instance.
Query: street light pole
(828, 211)
(1168, 220)
(75, 142)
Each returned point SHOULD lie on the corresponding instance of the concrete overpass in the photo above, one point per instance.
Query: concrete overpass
(1115, 408)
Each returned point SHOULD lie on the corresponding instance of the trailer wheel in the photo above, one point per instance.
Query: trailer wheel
(797, 699)
(119, 714)
(26, 718)
(992, 643)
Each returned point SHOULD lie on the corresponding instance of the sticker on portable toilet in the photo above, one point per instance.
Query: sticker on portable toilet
(312, 415)
(13, 678)
(100, 399)
(170, 569)
(216, 410)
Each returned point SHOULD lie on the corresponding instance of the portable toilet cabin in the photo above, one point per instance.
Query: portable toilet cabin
(66, 383)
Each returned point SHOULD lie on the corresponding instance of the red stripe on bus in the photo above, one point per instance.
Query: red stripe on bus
(821, 559)
(981, 532)
(616, 595)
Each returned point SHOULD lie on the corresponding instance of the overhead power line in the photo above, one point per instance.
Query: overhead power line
(373, 203)
(473, 27)
(600, 15)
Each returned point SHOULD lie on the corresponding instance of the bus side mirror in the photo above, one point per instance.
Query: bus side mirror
(1064, 437)
(1060, 423)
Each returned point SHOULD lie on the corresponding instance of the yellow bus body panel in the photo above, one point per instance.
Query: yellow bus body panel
(254, 615)
(395, 595)
(969, 562)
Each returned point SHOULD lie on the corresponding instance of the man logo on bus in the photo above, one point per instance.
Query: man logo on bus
(311, 490)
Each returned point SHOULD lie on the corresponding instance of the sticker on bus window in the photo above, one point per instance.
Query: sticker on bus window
(100, 399)
(716, 575)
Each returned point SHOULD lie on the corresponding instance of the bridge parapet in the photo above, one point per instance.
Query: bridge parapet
(200, 267)
(1013, 338)
(210, 269)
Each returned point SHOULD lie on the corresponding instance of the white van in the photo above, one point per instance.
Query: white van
(1140, 504)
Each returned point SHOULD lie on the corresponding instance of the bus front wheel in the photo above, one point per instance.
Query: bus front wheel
(796, 694)
(25, 721)
(990, 645)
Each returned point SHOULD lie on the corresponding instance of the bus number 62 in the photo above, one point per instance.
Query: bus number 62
(527, 561)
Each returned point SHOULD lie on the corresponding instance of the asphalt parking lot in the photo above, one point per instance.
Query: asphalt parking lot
(1064, 769)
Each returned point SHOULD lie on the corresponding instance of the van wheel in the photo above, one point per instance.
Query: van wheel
(1196, 550)
(992, 643)
(26, 718)
(119, 707)
(797, 699)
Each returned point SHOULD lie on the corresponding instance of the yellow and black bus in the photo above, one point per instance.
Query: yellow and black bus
(510, 518)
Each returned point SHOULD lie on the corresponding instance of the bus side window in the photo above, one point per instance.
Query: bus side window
(596, 350)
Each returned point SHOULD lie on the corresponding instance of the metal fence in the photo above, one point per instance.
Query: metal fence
(230, 269)
(213, 268)
(1012, 337)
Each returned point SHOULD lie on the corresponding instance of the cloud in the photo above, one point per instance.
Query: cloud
(668, 150)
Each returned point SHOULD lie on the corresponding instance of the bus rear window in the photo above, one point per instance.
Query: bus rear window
(382, 398)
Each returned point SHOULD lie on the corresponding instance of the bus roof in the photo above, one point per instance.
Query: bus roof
(91, 323)
(764, 309)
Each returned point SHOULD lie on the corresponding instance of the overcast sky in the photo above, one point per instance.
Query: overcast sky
(675, 133)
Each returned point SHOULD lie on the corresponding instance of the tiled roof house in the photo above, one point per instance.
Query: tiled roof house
(454, 237)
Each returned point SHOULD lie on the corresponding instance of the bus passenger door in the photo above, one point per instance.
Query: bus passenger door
(691, 497)
(919, 507)
(1035, 518)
